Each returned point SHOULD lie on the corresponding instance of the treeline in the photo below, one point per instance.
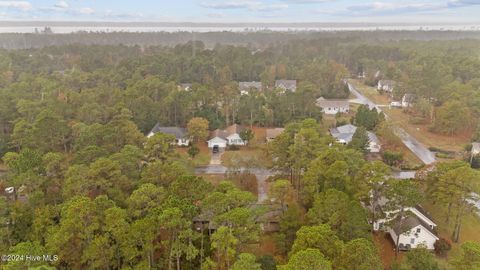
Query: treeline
(261, 39)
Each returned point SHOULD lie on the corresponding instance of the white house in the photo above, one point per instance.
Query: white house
(413, 233)
(333, 106)
(185, 86)
(476, 148)
(246, 87)
(385, 85)
(217, 141)
(180, 134)
(344, 135)
(290, 85)
(416, 228)
(408, 100)
(228, 136)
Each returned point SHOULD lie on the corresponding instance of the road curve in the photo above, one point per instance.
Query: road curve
(420, 150)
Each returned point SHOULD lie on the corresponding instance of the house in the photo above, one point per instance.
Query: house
(413, 233)
(185, 86)
(180, 134)
(415, 228)
(396, 104)
(228, 136)
(408, 100)
(385, 85)
(344, 135)
(333, 106)
(246, 87)
(272, 133)
(374, 145)
(475, 148)
(290, 85)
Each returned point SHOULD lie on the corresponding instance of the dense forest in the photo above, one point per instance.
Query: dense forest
(92, 189)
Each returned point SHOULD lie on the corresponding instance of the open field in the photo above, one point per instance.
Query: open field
(420, 132)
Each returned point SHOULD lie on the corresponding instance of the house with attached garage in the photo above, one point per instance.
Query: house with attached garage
(408, 100)
(333, 106)
(290, 85)
(385, 86)
(228, 136)
(414, 229)
(180, 134)
(246, 87)
(344, 134)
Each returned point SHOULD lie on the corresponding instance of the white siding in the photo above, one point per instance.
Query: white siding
(416, 238)
(217, 141)
(235, 139)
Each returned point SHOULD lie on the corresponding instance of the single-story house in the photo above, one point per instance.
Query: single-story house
(181, 137)
(290, 85)
(246, 87)
(272, 133)
(408, 100)
(416, 228)
(185, 86)
(385, 85)
(228, 136)
(476, 148)
(333, 106)
(344, 135)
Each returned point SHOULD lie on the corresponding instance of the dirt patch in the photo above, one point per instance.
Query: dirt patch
(386, 249)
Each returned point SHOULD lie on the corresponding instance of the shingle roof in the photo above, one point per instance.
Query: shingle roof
(274, 132)
(332, 103)
(246, 86)
(287, 84)
(233, 129)
(178, 132)
(409, 223)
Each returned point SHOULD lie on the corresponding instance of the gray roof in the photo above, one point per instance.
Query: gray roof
(287, 84)
(344, 133)
(178, 132)
(246, 86)
(372, 137)
(409, 223)
(332, 103)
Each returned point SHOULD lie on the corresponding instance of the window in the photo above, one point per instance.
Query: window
(412, 241)
(418, 230)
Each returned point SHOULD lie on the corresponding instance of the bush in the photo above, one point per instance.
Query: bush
(233, 147)
(416, 120)
(442, 246)
(392, 158)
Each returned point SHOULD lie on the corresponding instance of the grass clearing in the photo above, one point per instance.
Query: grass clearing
(249, 157)
(203, 157)
(421, 132)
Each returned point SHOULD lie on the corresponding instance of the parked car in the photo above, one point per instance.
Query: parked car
(215, 149)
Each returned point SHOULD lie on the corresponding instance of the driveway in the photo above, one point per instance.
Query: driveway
(420, 150)
(261, 175)
(216, 158)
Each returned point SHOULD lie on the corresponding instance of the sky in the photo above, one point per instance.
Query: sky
(381, 11)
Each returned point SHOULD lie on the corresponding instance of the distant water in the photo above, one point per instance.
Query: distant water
(202, 29)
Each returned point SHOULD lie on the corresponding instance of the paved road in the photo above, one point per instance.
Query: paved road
(420, 150)
(260, 174)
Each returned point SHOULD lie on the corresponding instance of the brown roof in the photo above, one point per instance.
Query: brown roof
(274, 132)
(227, 132)
(332, 103)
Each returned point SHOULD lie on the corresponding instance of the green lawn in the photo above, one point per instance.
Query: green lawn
(247, 157)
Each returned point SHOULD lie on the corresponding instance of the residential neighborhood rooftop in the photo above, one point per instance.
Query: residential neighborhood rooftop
(329, 103)
(178, 132)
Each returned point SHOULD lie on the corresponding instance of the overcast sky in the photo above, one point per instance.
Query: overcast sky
(243, 10)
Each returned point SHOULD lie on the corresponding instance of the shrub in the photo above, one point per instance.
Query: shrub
(442, 246)
(392, 158)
